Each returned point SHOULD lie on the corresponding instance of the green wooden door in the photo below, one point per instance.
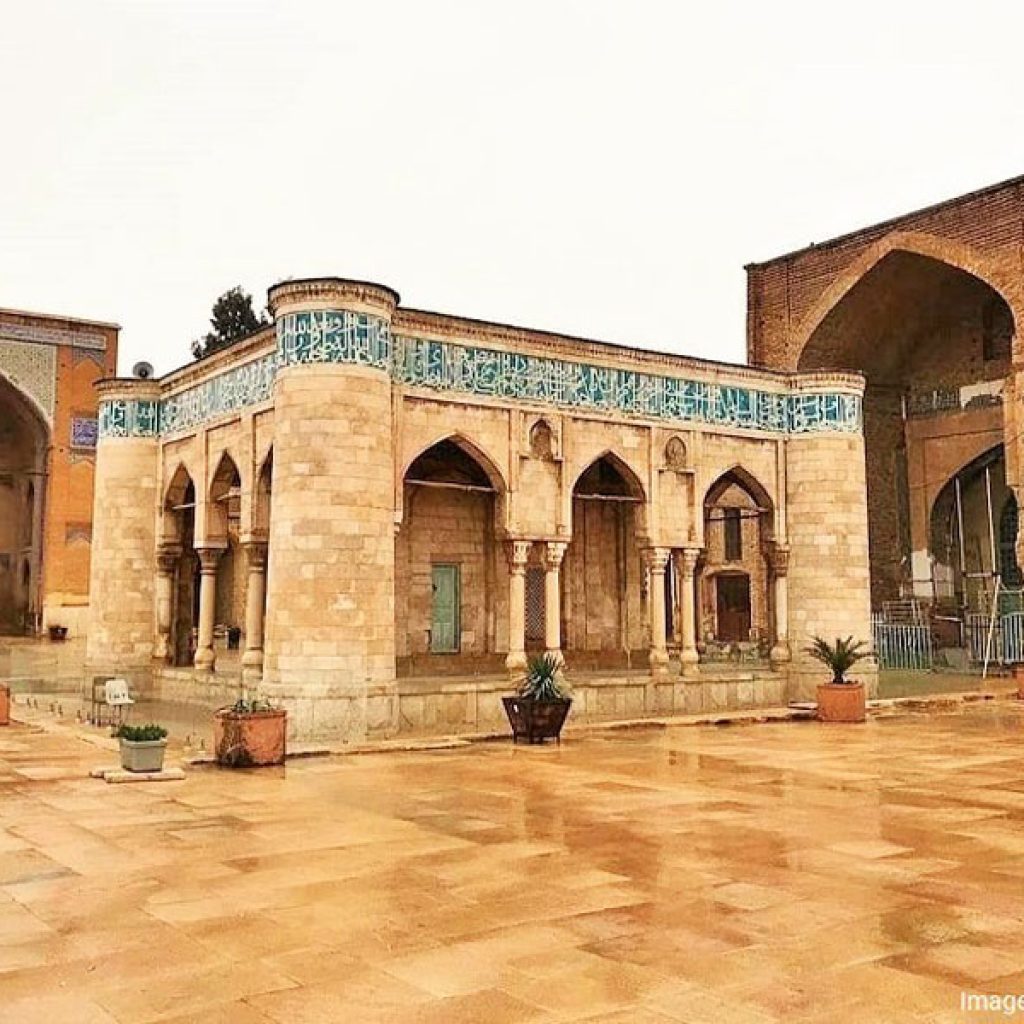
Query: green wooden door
(444, 618)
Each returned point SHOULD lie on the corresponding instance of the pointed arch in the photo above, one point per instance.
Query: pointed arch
(33, 414)
(177, 487)
(738, 475)
(942, 250)
(264, 487)
(224, 498)
(226, 474)
(469, 447)
(633, 485)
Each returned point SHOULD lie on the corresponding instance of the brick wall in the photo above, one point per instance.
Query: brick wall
(983, 232)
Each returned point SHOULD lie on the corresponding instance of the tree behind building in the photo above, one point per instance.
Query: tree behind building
(232, 318)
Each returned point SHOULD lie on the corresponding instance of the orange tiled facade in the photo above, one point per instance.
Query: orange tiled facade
(49, 367)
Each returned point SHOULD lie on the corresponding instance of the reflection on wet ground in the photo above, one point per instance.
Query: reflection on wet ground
(784, 872)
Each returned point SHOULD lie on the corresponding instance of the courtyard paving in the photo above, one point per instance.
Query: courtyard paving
(790, 872)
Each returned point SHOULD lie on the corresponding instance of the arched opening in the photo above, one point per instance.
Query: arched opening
(225, 516)
(451, 582)
(973, 536)
(179, 528)
(604, 579)
(24, 446)
(933, 342)
(734, 606)
(264, 483)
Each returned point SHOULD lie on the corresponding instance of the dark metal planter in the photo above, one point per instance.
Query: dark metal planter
(536, 720)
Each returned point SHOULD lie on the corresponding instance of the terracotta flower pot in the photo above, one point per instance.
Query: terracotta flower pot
(5, 705)
(244, 739)
(843, 702)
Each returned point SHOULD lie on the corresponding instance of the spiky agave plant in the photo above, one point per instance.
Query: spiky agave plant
(840, 657)
(541, 681)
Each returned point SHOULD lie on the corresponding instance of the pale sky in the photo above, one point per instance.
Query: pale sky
(599, 168)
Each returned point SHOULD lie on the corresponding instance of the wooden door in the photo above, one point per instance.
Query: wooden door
(444, 617)
(733, 608)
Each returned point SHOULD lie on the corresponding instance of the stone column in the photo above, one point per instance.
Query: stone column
(554, 552)
(122, 575)
(518, 552)
(778, 560)
(255, 592)
(329, 650)
(167, 556)
(209, 557)
(688, 655)
(657, 561)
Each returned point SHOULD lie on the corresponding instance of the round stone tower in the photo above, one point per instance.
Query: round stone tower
(123, 566)
(330, 646)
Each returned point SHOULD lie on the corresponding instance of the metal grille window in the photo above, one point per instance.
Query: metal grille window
(534, 605)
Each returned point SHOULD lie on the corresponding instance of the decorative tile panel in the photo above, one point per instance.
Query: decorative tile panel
(337, 336)
(33, 369)
(123, 417)
(84, 431)
(333, 336)
(235, 389)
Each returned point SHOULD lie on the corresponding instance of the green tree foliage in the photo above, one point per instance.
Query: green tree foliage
(232, 318)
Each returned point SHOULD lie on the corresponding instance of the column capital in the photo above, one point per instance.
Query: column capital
(209, 558)
(778, 558)
(554, 552)
(518, 552)
(167, 555)
(256, 553)
(657, 558)
(688, 561)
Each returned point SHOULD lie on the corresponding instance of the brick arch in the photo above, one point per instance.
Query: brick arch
(40, 422)
(943, 250)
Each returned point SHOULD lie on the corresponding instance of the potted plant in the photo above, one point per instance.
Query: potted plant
(250, 733)
(538, 711)
(840, 700)
(142, 747)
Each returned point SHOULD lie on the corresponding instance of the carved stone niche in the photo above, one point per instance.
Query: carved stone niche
(542, 441)
(676, 455)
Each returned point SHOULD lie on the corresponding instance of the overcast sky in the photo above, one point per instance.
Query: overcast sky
(599, 168)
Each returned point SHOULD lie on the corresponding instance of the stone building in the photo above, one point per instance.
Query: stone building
(49, 366)
(391, 508)
(926, 307)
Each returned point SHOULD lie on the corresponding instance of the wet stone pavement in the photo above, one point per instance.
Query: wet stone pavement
(790, 872)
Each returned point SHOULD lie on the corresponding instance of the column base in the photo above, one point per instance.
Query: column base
(205, 660)
(689, 664)
(658, 661)
(780, 656)
(515, 664)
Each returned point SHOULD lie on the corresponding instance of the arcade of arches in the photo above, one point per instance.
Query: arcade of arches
(445, 499)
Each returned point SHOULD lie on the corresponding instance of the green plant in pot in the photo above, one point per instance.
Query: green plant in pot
(538, 711)
(142, 747)
(840, 699)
